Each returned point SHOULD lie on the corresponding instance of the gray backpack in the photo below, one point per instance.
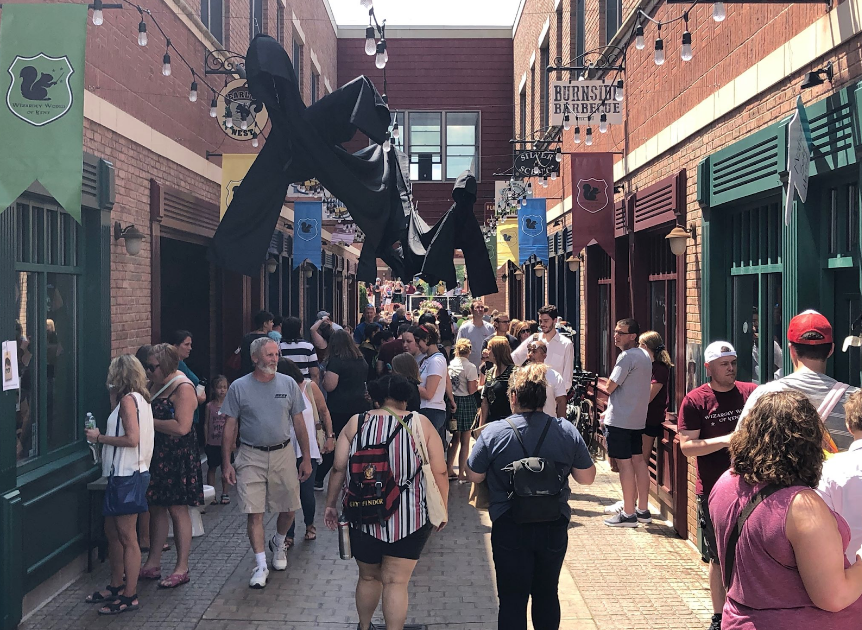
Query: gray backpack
(536, 484)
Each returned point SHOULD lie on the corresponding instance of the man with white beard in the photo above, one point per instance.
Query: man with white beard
(269, 406)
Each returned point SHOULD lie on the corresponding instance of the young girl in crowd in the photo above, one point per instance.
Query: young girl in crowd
(214, 429)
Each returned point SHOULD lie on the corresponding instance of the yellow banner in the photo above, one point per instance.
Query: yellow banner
(507, 242)
(234, 166)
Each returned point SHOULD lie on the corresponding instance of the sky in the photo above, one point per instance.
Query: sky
(428, 12)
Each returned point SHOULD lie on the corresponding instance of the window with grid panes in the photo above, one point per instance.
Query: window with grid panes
(211, 16)
(757, 330)
(662, 298)
(613, 15)
(48, 266)
(462, 143)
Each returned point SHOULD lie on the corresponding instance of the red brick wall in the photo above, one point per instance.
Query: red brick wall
(447, 75)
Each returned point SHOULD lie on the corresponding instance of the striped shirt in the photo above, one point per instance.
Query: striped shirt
(405, 462)
(300, 352)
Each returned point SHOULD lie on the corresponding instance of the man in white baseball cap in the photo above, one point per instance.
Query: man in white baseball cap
(707, 415)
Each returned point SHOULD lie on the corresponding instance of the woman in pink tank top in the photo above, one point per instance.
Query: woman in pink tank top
(789, 568)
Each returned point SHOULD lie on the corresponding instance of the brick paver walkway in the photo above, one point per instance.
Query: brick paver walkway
(641, 578)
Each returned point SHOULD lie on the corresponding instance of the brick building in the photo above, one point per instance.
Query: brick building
(704, 146)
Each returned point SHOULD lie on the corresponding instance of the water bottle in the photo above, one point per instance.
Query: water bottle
(344, 538)
(95, 450)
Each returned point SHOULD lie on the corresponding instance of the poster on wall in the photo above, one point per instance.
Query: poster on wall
(10, 366)
(693, 366)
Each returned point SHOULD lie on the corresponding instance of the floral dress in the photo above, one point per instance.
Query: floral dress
(175, 470)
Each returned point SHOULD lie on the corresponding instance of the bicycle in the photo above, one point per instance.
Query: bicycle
(581, 410)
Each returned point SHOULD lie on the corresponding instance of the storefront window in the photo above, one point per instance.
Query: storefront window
(663, 321)
(605, 334)
(462, 143)
(47, 330)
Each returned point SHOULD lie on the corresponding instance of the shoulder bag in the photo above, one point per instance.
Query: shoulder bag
(433, 497)
(730, 553)
(126, 494)
(320, 434)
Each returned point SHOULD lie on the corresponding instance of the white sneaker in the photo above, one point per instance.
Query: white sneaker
(258, 577)
(279, 555)
(613, 509)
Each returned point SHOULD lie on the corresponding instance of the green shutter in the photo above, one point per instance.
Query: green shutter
(747, 167)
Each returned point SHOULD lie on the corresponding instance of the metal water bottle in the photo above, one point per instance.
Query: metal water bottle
(344, 538)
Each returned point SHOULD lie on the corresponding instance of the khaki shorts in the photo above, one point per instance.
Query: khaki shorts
(267, 481)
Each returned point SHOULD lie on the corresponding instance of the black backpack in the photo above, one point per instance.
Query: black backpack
(372, 495)
(536, 484)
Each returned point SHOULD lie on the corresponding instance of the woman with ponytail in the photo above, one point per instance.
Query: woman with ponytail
(652, 343)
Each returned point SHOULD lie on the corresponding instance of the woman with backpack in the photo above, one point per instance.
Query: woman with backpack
(529, 530)
(386, 540)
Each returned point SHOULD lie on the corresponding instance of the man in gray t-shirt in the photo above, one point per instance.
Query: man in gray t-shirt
(624, 422)
(476, 330)
(265, 403)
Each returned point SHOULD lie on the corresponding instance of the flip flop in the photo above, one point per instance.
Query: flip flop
(174, 580)
(225, 499)
(310, 532)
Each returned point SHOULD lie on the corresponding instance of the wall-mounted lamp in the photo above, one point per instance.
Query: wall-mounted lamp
(132, 235)
(271, 265)
(539, 269)
(817, 77)
(518, 273)
(678, 239)
(574, 262)
(309, 271)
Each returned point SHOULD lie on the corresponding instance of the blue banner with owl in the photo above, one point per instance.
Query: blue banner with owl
(532, 231)
(307, 217)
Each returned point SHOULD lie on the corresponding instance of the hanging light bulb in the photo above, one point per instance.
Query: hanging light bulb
(640, 44)
(553, 175)
(577, 135)
(581, 76)
(536, 170)
(193, 91)
(396, 132)
(559, 155)
(530, 188)
(387, 145)
(380, 60)
(214, 108)
(524, 202)
(718, 12)
(686, 53)
(370, 43)
(544, 182)
(166, 65)
(366, 3)
(142, 33)
(98, 18)
(603, 123)
(254, 141)
(618, 91)
(566, 122)
(589, 140)
(385, 52)
(659, 51)
(228, 117)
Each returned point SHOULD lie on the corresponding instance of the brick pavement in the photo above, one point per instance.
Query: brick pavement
(453, 586)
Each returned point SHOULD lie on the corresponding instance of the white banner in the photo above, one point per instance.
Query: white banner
(582, 99)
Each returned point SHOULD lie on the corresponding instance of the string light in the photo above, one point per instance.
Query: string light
(589, 140)
(387, 145)
(640, 44)
(566, 122)
(396, 132)
(577, 135)
(718, 12)
(659, 48)
(380, 60)
(685, 52)
(618, 91)
(243, 118)
(214, 107)
(370, 41)
(254, 141)
(193, 90)
(559, 155)
(228, 117)
(603, 123)
(166, 64)
(553, 175)
(142, 32)
(98, 16)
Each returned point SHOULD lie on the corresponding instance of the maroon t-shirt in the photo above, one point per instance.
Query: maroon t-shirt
(389, 351)
(713, 414)
(658, 405)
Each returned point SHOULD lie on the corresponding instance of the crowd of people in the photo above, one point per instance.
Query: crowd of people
(393, 411)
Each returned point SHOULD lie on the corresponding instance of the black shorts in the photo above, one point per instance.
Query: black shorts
(706, 527)
(653, 430)
(368, 549)
(623, 443)
(214, 456)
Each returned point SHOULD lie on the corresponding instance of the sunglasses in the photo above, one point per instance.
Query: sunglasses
(151, 368)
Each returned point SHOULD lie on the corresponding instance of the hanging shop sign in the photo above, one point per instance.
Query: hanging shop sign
(536, 163)
(238, 109)
(307, 243)
(798, 157)
(533, 231)
(233, 169)
(42, 119)
(593, 209)
(582, 99)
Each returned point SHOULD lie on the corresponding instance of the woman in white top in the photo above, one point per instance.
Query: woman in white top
(434, 387)
(316, 416)
(465, 383)
(128, 449)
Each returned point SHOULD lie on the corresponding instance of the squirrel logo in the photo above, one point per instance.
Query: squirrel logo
(35, 87)
(306, 227)
(591, 193)
(507, 237)
(530, 223)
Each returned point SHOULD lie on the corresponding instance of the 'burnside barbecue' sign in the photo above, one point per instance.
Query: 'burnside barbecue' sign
(584, 98)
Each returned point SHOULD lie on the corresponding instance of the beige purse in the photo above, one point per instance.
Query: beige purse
(320, 434)
(433, 497)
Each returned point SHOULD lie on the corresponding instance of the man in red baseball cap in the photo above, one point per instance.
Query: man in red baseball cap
(810, 339)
